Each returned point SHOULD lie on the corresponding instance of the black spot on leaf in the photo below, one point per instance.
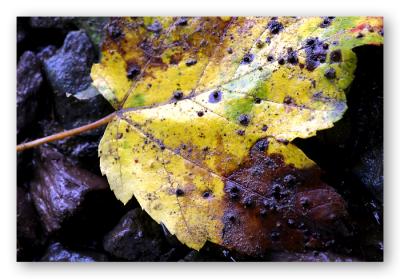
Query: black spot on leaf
(262, 145)
(178, 95)
(132, 71)
(326, 21)
(330, 73)
(179, 192)
(292, 56)
(244, 119)
(248, 58)
(182, 21)
(191, 62)
(315, 53)
(215, 96)
(155, 27)
(336, 56)
(274, 26)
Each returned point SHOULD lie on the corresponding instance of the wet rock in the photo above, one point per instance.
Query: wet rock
(29, 81)
(94, 27)
(59, 187)
(81, 147)
(51, 22)
(369, 171)
(56, 252)
(215, 253)
(29, 231)
(312, 256)
(68, 72)
(46, 53)
(136, 238)
(367, 119)
(21, 30)
(170, 256)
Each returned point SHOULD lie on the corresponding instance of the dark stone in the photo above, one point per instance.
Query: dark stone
(94, 27)
(56, 252)
(29, 231)
(46, 53)
(60, 187)
(309, 257)
(29, 81)
(213, 253)
(51, 22)
(21, 32)
(369, 171)
(136, 238)
(68, 72)
(81, 147)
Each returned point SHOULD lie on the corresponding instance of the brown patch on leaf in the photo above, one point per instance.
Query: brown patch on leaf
(275, 206)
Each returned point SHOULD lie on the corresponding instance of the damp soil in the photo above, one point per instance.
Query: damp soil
(91, 225)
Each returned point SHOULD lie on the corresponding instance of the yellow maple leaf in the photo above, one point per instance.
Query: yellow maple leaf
(207, 108)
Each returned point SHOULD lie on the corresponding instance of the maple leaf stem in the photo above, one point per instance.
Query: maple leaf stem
(66, 134)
